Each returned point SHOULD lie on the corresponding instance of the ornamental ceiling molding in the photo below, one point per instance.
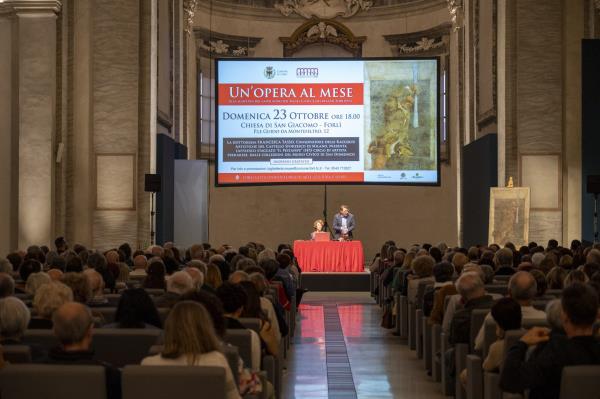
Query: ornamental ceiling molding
(189, 10)
(457, 13)
(322, 31)
(434, 41)
(231, 9)
(323, 9)
(30, 6)
(213, 44)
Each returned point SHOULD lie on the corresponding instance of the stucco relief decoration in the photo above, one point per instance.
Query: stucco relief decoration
(189, 9)
(323, 9)
(211, 43)
(424, 44)
(322, 31)
(455, 7)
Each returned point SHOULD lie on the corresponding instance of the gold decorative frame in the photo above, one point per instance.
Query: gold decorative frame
(509, 216)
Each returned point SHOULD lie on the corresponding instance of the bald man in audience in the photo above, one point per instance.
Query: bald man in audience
(73, 324)
(7, 285)
(97, 286)
(522, 287)
(238, 276)
(198, 264)
(178, 284)
(55, 274)
(140, 264)
(472, 291)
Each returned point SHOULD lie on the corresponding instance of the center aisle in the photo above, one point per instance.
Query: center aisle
(362, 360)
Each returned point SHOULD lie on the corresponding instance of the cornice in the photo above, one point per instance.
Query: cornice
(30, 6)
(240, 11)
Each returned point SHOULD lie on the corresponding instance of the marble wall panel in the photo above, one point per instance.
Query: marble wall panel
(36, 63)
(545, 225)
(539, 75)
(542, 174)
(113, 228)
(115, 181)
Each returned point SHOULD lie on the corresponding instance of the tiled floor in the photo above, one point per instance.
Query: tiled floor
(382, 366)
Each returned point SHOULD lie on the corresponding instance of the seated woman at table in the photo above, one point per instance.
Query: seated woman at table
(318, 226)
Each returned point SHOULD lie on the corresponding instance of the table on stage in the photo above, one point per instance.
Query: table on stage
(329, 256)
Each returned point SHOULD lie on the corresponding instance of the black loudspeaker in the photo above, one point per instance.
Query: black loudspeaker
(593, 184)
(152, 183)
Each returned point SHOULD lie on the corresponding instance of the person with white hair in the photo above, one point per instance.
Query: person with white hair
(197, 277)
(178, 284)
(35, 281)
(14, 318)
(47, 299)
(5, 266)
(7, 285)
(522, 287)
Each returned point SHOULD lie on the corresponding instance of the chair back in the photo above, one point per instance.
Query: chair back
(501, 279)
(123, 346)
(18, 381)
(45, 338)
(477, 319)
(252, 323)
(489, 336)
(163, 313)
(421, 292)
(159, 382)
(108, 313)
(242, 340)
(554, 292)
(113, 299)
(155, 291)
(501, 289)
(17, 353)
(580, 382)
(229, 351)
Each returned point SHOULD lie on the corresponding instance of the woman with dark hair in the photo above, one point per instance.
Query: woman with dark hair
(155, 275)
(126, 250)
(253, 309)
(213, 305)
(136, 310)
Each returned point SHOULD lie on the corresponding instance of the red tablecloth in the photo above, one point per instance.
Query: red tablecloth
(329, 256)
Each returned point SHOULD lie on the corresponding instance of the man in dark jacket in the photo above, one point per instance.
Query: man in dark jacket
(541, 374)
(472, 291)
(73, 325)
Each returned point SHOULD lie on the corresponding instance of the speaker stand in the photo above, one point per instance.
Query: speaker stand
(152, 213)
(595, 218)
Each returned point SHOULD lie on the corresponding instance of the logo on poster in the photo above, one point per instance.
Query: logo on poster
(308, 72)
(269, 72)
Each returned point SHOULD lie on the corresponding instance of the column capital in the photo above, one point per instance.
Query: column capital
(30, 6)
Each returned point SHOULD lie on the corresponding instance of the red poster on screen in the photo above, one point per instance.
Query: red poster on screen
(291, 94)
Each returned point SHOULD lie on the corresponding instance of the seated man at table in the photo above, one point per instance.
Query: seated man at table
(343, 224)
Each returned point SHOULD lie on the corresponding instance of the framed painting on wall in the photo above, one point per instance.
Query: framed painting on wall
(509, 216)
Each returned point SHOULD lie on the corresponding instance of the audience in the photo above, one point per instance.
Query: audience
(190, 339)
(213, 277)
(472, 291)
(177, 285)
(14, 319)
(155, 277)
(73, 324)
(522, 287)
(234, 298)
(422, 271)
(96, 283)
(7, 285)
(136, 310)
(541, 374)
(504, 262)
(253, 309)
(48, 298)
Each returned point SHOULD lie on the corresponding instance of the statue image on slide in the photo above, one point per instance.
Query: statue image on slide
(401, 126)
(393, 137)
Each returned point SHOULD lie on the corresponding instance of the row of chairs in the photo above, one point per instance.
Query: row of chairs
(430, 343)
(150, 382)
